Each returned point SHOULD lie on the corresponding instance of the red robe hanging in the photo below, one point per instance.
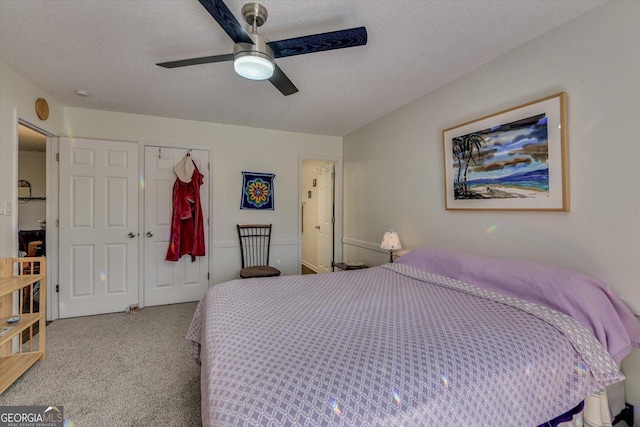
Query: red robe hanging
(187, 229)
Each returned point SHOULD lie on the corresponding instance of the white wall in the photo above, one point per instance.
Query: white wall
(595, 60)
(234, 149)
(17, 101)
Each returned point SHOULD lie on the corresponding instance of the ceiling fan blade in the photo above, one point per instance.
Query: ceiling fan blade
(197, 61)
(282, 82)
(227, 21)
(319, 42)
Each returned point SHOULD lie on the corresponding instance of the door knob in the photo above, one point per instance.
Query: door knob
(149, 234)
(132, 235)
(317, 227)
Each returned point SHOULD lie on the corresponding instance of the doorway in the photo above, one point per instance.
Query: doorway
(32, 191)
(36, 202)
(318, 212)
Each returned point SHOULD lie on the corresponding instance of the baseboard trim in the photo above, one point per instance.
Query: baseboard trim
(310, 266)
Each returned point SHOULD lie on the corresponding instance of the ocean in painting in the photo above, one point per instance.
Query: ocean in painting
(534, 180)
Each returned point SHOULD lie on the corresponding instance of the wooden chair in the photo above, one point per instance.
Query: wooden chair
(255, 241)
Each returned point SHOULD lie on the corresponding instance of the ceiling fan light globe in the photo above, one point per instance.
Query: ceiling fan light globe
(254, 65)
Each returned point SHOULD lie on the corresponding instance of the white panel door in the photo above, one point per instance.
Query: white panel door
(98, 235)
(325, 217)
(167, 282)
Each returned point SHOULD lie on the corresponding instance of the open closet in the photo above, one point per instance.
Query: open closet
(32, 207)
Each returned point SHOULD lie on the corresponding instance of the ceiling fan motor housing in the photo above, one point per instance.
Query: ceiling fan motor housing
(261, 56)
(254, 13)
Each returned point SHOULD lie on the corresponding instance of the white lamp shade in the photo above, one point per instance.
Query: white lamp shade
(254, 65)
(390, 241)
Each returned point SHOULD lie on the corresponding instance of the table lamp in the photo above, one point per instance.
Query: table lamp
(390, 242)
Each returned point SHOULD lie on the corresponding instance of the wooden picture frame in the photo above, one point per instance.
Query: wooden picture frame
(516, 159)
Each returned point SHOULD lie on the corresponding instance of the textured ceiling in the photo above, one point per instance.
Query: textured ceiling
(109, 49)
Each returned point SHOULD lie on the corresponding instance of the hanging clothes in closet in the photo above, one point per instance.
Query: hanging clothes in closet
(187, 228)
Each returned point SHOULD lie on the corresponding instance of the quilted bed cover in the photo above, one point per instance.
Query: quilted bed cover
(387, 346)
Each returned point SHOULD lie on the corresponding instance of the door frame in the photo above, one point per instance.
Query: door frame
(337, 197)
(142, 146)
(51, 215)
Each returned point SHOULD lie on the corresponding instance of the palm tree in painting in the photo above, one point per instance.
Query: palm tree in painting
(464, 148)
(456, 146)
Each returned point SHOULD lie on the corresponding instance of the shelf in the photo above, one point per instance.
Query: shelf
(11, 284)
(28, 199)
(26, 320)
(12, 367)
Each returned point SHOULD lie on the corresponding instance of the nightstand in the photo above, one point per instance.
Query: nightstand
(343, 266)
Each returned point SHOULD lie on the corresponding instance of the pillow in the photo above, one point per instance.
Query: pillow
(579, 296)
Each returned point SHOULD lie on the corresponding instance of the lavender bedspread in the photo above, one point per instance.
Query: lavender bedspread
(387, 346)
(579, 296)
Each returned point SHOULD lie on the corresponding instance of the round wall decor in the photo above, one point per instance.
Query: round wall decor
(42, 109)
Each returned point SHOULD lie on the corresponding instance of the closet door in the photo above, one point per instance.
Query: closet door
(167, 282)
(98, 229)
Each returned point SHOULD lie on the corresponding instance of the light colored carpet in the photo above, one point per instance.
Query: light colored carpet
(117, 370)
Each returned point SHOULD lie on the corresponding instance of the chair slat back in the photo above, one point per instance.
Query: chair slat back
(255, 241)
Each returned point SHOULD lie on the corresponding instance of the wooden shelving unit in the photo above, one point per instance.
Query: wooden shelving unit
(27, 278)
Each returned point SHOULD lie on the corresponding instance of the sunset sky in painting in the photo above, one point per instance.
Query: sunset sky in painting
(512, 148)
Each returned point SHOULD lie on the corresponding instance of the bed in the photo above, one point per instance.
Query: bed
(434, 339)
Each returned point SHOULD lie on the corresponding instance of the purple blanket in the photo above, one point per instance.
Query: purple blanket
(387, 346)
(581, 297)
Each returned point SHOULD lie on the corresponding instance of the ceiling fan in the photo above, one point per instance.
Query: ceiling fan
(254, 58)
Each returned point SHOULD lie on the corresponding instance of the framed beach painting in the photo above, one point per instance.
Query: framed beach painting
(512, 160)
